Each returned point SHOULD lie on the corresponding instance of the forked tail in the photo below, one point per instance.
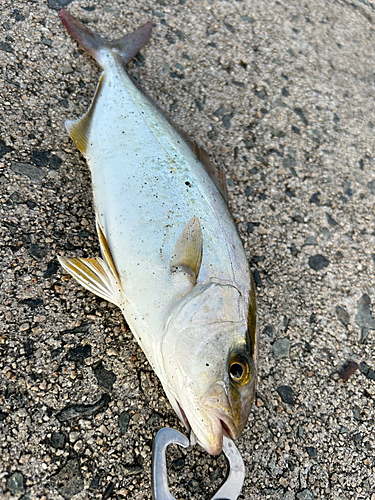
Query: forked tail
(127, 46)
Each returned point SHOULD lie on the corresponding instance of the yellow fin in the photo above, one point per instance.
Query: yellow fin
(79, 130)
(106, 251)
(96, 276)
(187, 254)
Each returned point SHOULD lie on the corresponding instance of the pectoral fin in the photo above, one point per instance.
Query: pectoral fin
(96, 276)
(187, 254)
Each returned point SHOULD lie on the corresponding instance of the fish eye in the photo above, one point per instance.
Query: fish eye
(239, 369)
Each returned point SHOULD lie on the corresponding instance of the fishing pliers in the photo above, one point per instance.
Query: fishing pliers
(229, 490)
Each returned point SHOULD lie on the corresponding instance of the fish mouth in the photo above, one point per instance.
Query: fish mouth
(221, 427)
(227, 430)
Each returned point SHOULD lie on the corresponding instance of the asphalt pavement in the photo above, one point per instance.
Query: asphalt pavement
(282, 94)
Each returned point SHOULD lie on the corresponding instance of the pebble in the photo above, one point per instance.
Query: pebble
(55, 162)
(15, 484)
(32, 303)
(66, 69)
(305, 495)
(226, 120)
(132, 469)
(3, 415)
(40, 158)
(294, 250)
(357, 437)
(318, 262)
(311, 451)
(193, 486)
(94, 485)
(367, 371)
(154, 418)
(310, 240)
(299, 112)
(4, 149)
(69, 480)
(105, 378)
(34, 173)
(269, 330)
(123, 422)
(74, 411)
(364, 318)
(371, 186)
(79, 353)
(58, 440)
(326, 233)
(348, 370)
(286, 394)
(52, 269)
(108, 491)
(342, 315)
(257, 278)
(58, 4)
(331, 221)
(281, 348)
(179, 463)
(288, 496)
(250, 227)
(6, 47)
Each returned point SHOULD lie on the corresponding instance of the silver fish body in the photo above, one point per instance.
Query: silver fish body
(172, 258)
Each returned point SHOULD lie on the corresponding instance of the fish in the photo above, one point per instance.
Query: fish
(171, 257)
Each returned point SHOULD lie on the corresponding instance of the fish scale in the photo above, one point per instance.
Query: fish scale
(172, 259)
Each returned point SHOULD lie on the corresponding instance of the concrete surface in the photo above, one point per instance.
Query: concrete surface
(282, 93)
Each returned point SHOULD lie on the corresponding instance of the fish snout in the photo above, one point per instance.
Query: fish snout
(225, 405)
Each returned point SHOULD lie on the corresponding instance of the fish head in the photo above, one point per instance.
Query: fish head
(210, 360)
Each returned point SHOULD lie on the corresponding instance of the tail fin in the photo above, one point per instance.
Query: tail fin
(127, 46)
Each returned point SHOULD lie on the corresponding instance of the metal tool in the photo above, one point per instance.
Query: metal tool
(229, 490)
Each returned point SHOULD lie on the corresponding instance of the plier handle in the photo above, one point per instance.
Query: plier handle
(229, 490)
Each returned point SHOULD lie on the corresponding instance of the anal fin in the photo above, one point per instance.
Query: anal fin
(95, 275)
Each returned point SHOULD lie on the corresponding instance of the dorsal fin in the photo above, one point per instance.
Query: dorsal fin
(187, 253)
(216, 173)
(79, 130)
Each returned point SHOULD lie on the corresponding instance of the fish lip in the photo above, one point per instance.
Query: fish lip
(221, 426)
(228, 425)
